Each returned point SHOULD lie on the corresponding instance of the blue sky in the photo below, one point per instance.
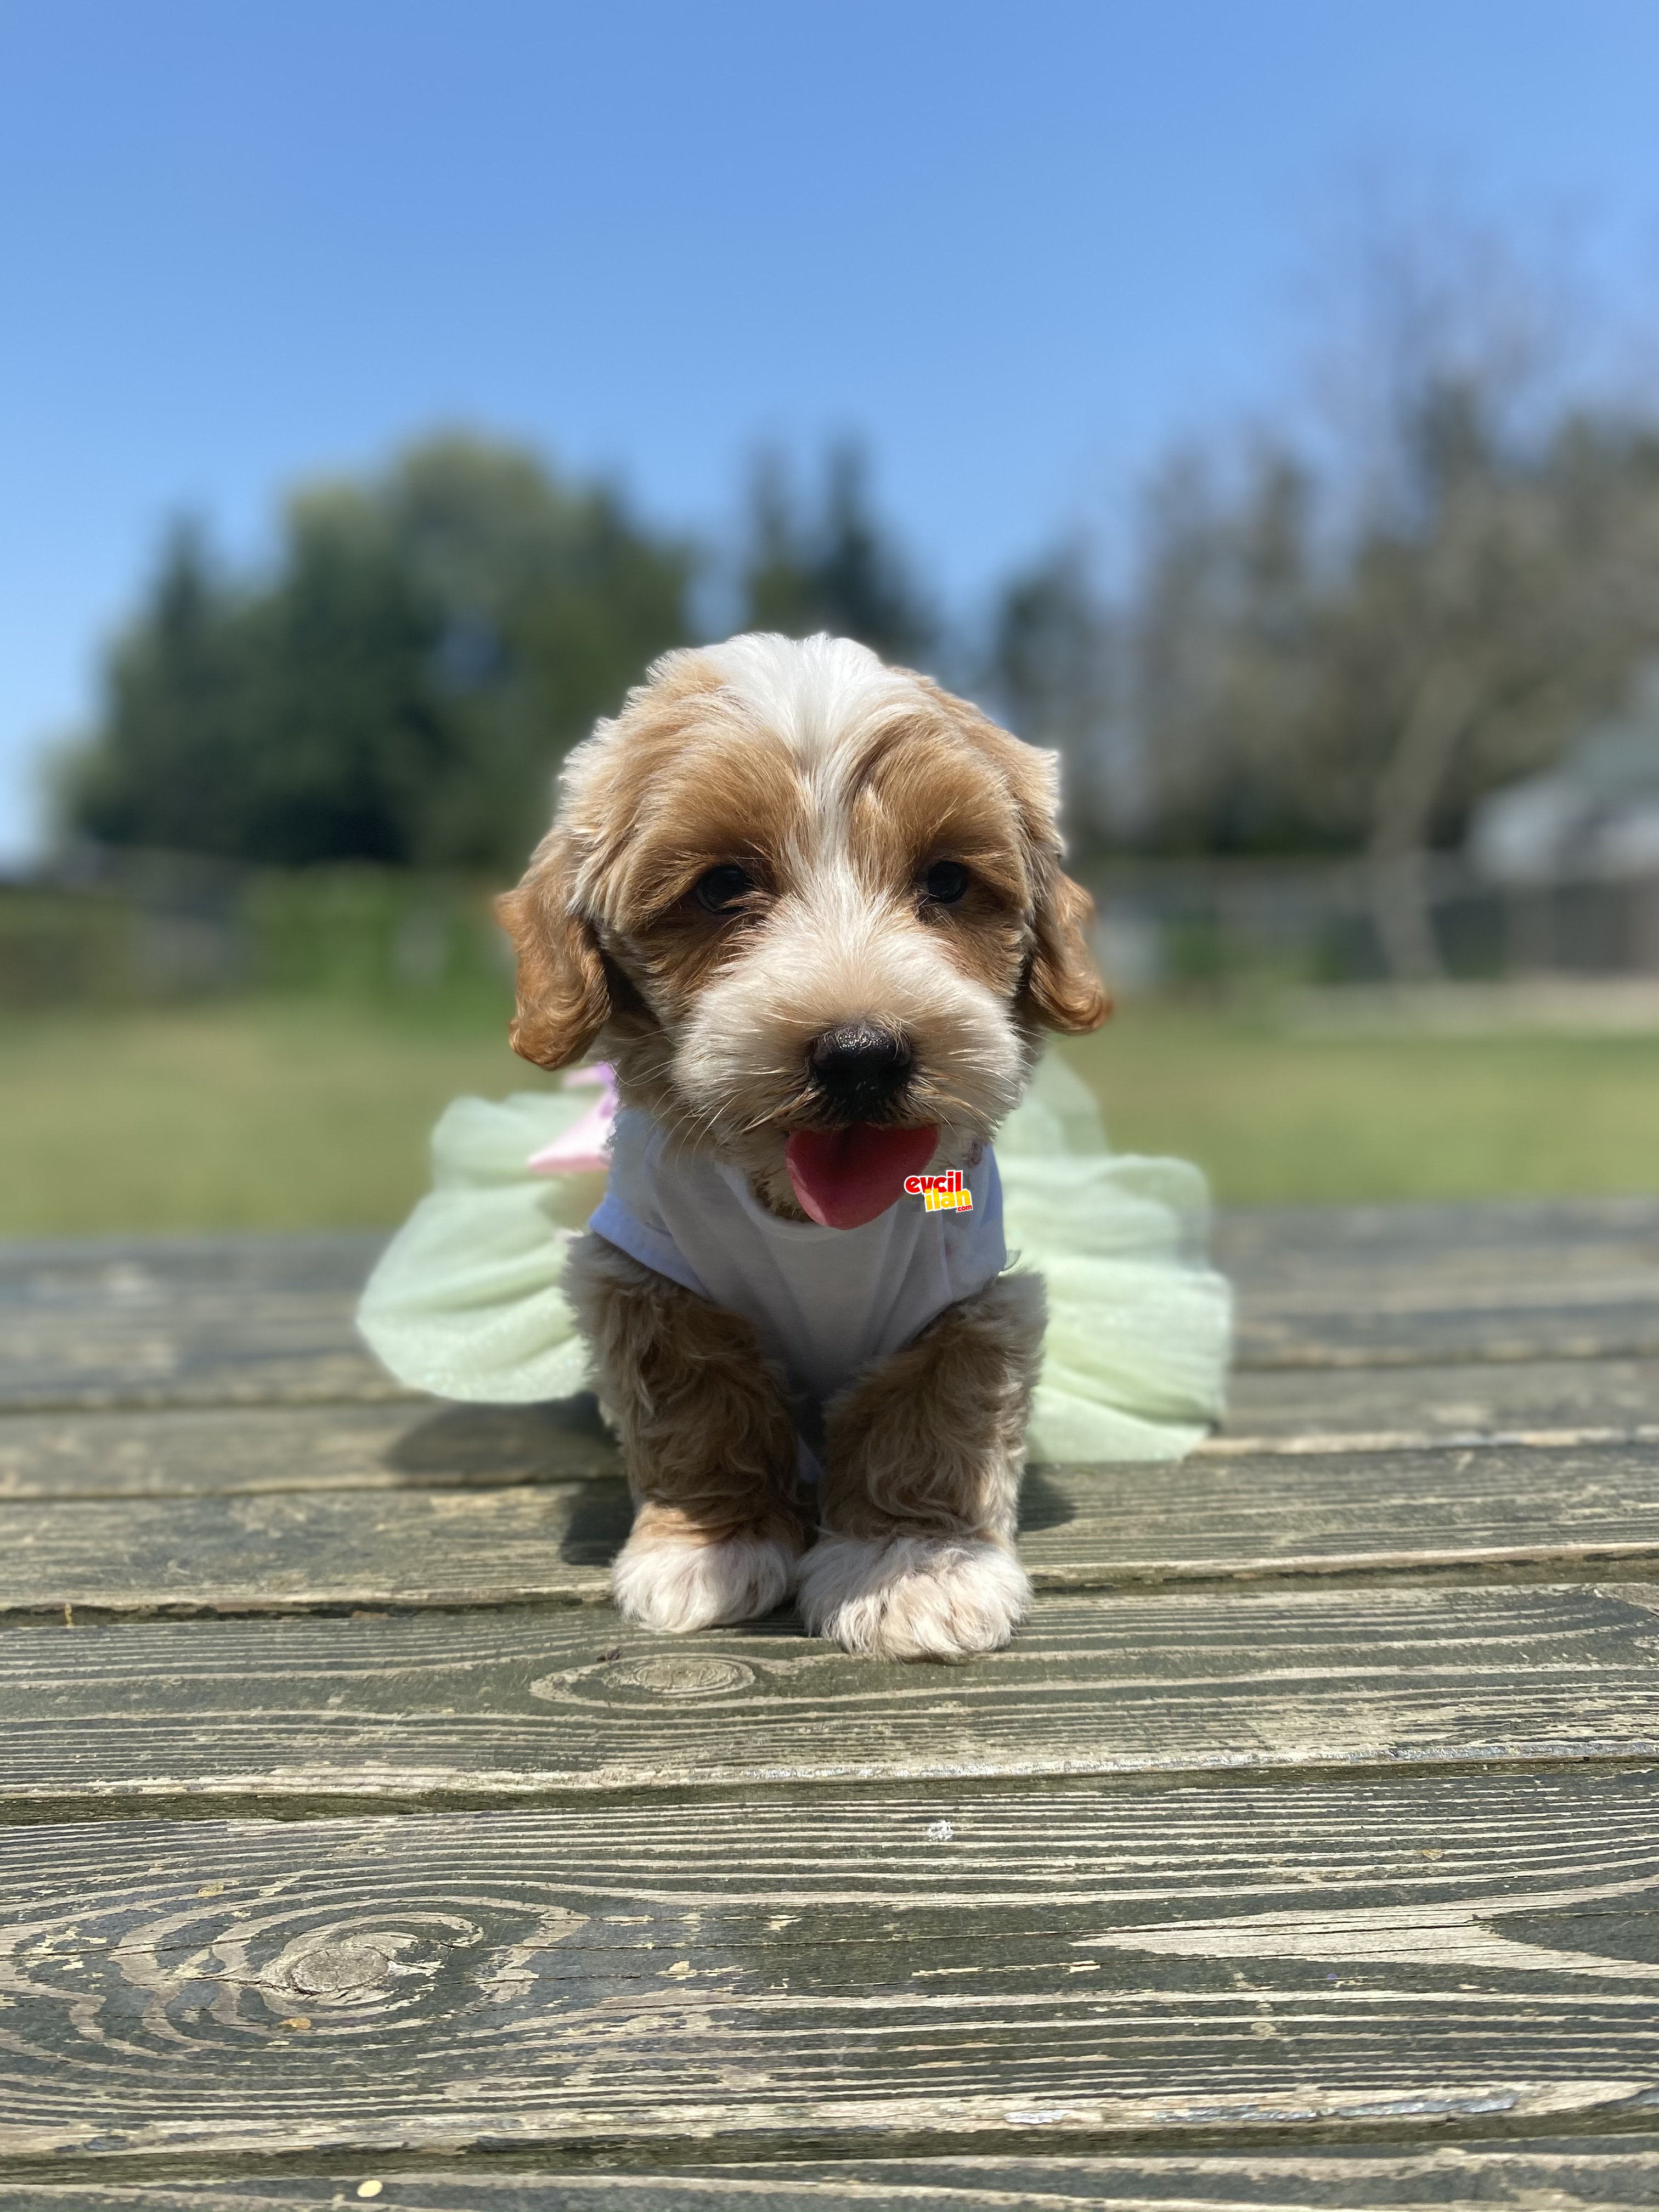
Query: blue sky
(1019, 247)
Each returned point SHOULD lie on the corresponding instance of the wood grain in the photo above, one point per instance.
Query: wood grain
(949, 1967)
(1274, 1248)
(239, 1533)
(1414, 1335)
(229, 1320)
(222, 1451)
(1318, 1508)
(1585, 2174)
(1411, 1284)
(491, 1708)
(238, 1320)
(1435, 1402)
(1367, 1861)
(226, 1451)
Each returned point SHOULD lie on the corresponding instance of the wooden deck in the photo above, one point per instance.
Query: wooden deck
(1302, 1851)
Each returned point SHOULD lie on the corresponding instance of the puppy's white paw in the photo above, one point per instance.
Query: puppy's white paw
(913, 1597)
(668, 1583)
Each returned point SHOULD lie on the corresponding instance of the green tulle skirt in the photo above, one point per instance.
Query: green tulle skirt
(466, 1300)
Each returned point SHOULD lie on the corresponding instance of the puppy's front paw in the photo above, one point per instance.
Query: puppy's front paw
(675, 1583)
(913, 1597)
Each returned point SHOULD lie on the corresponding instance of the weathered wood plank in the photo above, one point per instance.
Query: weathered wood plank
(484, 1708)
(224, 1451)
(1469, 1400)
(940, 1968)
(1227, 1513)
(249, 1320)
(209, 1451)
(1585, 2174)
(277, 1551)
(227, 1320)
(1274, 1248)
(358, 1542)
(1409, 1285)
(1357, 1334)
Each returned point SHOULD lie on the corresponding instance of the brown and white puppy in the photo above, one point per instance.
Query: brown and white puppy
(789, 887)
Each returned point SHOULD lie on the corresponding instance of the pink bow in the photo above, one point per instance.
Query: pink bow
(582, 1149)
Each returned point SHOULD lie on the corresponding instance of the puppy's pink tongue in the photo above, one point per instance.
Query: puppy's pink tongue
(845, 1177)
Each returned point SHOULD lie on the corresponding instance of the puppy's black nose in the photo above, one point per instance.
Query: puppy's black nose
(859, 1068)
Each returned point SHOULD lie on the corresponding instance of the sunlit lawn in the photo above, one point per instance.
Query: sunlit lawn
(1278, 1116)
(270, 1116)
(296, 1116)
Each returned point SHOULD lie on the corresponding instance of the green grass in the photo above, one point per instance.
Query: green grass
(261, 1117)
(1275, 1116)
(301, 1114)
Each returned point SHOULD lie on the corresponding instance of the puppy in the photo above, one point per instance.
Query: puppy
(812, 910)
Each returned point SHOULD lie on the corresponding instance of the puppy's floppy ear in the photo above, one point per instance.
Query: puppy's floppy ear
(1062, 987)
(562, 1000)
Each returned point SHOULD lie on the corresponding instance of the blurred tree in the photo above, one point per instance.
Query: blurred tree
(399, 689)
(172, 686)
(1052, 675)
(1224, 635)
(1346, 643)
(1468, 646)
(835, 569)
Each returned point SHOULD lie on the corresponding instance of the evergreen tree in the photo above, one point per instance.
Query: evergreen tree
(400, 688)
(834, 568)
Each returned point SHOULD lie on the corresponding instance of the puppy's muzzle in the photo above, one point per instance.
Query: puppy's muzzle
(858, 1071)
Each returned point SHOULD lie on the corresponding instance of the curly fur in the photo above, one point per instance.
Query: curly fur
(707, 1444)
(913, 1597)
(836, 783)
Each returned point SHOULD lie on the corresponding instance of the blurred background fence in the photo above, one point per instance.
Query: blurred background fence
(115, 926)
(1165, 925)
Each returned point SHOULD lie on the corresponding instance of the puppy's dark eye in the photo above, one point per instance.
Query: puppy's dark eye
(946, 882)
(723, 890)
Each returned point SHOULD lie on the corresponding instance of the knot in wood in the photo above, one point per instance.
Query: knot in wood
(338, 1969)
(680, 1678)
